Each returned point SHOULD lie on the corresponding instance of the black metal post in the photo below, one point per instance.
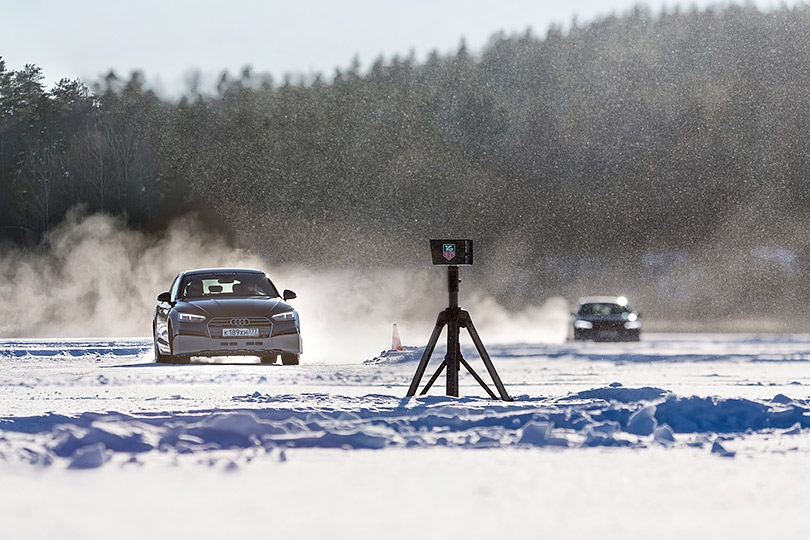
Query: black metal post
(453, 347)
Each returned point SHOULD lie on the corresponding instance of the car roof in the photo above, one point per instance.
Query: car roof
(620, 300)
(223, 271)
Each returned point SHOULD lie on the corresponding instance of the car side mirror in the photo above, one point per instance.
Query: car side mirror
(289, 295)
(164, 297)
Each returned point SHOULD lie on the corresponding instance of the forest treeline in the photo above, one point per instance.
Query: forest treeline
(630, 143)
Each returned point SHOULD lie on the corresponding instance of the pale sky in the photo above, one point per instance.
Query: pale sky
(169, 39)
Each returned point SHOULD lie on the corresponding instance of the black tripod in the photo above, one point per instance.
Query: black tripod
(455, 318)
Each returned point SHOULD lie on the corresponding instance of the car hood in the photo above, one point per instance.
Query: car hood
(230, 307)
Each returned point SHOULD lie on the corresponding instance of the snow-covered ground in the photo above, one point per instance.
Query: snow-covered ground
(679, 436)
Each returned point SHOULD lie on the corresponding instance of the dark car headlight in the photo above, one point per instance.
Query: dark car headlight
(286, 316)
(190, 317)
(583, 325)
(285, 323)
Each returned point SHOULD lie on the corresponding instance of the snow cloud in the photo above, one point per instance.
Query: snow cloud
(92, 276)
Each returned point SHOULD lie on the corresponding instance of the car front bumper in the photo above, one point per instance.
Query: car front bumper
(184, 345)
(607, 334)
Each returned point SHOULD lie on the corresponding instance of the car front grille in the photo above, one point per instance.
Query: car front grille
(608, 325)
(216, 325)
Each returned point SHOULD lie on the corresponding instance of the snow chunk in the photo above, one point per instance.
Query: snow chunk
(796, 429)
(695, 414)
(642, 422)
(718, 449)
(536, 433)
(608, 427)
(89, 457)
(116, 436)
(376, 422)
(664, 435)
(595, 438)
(353, 440)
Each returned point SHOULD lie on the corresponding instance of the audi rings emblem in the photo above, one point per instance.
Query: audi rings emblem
(240, 321)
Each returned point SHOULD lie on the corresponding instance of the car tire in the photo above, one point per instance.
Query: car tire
(289, 359)
(159, 357)
(269, 358)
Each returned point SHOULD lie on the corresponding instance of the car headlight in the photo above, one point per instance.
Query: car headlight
(632, 325)
(583, 325)
(190, 317)
(286, 316)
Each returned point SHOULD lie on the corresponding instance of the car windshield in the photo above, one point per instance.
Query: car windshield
(603, 308)
(218, 285)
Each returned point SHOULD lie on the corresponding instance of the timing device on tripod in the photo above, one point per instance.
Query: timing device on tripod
(454, 253)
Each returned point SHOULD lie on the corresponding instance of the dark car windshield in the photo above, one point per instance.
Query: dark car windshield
(603, 308)
(233, 285)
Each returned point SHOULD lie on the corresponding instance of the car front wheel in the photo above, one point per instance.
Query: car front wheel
(160, 358)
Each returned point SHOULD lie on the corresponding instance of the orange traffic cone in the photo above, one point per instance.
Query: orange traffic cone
(396, 343)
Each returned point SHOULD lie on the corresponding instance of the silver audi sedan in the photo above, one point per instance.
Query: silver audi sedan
(225, 312)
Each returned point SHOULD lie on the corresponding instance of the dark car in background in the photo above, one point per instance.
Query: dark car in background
(225, 312)
(606, 318)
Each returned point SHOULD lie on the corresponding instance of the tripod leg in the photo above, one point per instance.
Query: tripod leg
(477, 378)
(420, 371)
(467, 320)
(433, 379)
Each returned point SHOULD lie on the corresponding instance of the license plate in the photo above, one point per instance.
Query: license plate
(240, 332)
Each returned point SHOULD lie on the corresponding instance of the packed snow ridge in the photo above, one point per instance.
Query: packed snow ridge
(609, 416)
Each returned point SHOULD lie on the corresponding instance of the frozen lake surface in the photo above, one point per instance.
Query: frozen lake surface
(681, 435)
